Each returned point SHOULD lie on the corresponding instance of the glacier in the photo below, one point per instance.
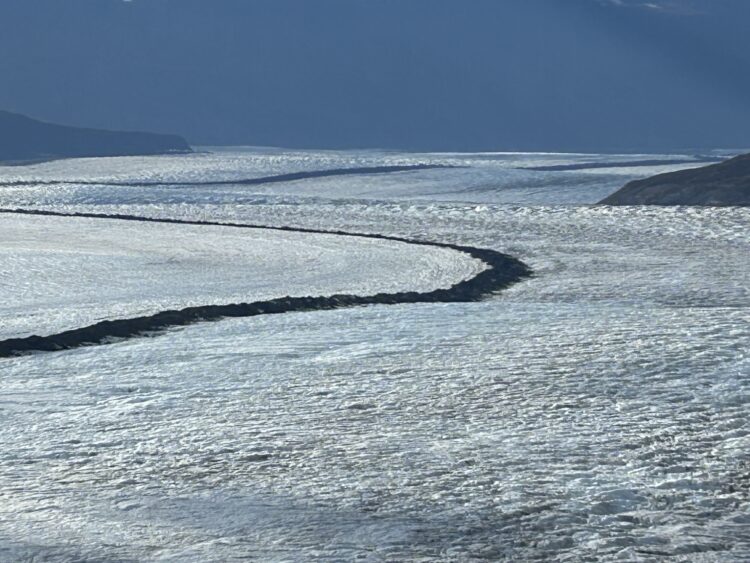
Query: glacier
(595, 411)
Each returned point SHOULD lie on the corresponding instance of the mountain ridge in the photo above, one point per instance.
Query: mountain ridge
(24, 140)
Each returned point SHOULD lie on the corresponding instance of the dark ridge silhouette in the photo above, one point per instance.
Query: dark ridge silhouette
(630, 164)
(724, 184)
(23, 139)
(502, 271)
(291, 177)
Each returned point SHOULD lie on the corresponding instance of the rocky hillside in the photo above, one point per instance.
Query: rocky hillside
(723, 184)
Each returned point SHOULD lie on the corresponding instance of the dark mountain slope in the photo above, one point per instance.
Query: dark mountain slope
(723, 184)
(25, 139)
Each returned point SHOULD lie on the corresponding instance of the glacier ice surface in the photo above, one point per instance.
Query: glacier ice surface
(595, 412)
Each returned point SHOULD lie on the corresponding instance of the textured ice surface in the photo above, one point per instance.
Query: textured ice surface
(481, 430)
(482, 178)
(595, 412)
(60, 273)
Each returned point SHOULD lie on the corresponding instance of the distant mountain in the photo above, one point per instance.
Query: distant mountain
(724, 184)
(24, 139)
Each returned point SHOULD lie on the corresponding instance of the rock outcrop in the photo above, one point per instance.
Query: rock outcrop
(723, 184)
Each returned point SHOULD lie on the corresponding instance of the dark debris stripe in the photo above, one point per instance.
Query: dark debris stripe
(502, 271)
(620, 164)
(291, 177)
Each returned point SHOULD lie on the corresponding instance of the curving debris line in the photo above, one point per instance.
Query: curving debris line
(622, 164)
(502, 271)
(290, 177)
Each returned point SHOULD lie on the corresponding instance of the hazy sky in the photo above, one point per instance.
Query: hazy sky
(416, 74)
